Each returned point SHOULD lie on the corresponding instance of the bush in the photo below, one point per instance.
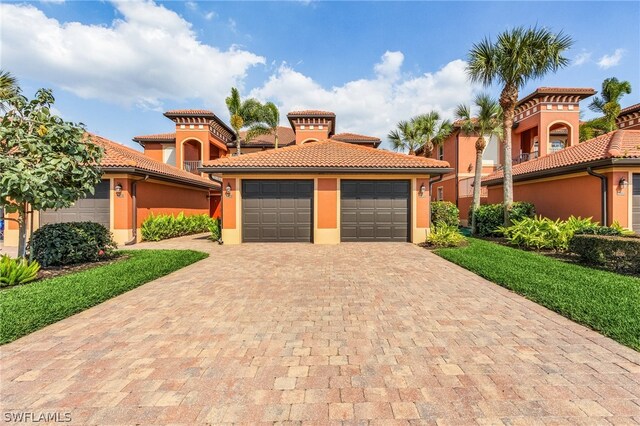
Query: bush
(59, 244)
(616, 253)
(17, 271)
(490, 217)
(445, 235)
(444, 212)
(214, 228)
(161, 227)
(544, 233)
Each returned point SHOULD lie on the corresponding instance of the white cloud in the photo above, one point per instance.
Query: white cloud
(608, 61)
(582, 58)
(372, 106)
(209, 15)
(150, 56)
(191, 5)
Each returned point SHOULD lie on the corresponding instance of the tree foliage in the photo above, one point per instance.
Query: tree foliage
(425, 130)
(243, 114)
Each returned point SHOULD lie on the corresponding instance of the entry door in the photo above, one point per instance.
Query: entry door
(277, 210)
(374, 210)
(636, 204)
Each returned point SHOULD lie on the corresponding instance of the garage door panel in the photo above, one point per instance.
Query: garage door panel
(635, 213)
(93, 208)
(374, 210)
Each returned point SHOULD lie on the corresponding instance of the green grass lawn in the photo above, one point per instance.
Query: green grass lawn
(27, 308)
(604, 301)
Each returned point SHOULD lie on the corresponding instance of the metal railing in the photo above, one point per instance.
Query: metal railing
(525, 156)
(192, 166)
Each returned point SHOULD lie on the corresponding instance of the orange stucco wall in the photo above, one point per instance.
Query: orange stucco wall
(122, 205)
(166, 199)
(423, 205)
(327, 203)
(153, 150)
(303, 135)
(229, 203)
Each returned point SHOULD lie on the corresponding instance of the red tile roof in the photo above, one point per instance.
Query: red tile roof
(616, 144)
(582, 92)
(354, 137)
(286, 136)
(117, 156)
(312, 112)
(189, 112)
(157, 137)
(629, 109)
(326, 154)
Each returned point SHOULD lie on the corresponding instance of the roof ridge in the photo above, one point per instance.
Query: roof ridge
(615, 144)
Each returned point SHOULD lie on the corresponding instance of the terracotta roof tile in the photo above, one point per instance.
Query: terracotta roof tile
(629, 109)
(329, 154)
(354, 137)
(286, 137)
(118, 156)
(155, 137)
(616, 144)
(311, 112)
(189, 112)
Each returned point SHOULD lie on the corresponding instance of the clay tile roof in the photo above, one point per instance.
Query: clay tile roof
(286, 137)
(312, 112)
(354, 137)
(328, 155)
(157, 137)
(117, 156)
(583, 92)
(189, 112)
(616, 144)
(629, 109)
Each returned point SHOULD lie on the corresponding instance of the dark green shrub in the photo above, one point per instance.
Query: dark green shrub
(544, 233)
(616, 253)
(489, 217)
(444, 212)
(161, 227)
(59, 244)
(17, 271)
(214, 228)
(445, 235)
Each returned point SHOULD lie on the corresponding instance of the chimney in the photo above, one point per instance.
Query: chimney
(312, 125)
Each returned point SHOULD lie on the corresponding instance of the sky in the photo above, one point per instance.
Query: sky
(116, 66)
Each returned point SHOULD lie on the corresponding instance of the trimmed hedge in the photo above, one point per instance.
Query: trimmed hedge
(444, 212)
(615, 253)
(58, 244)
(489, 217)
(162, 227)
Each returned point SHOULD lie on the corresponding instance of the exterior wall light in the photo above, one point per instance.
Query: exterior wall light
(118, 189)
(623, 183)
(227, 190)
(423, 189)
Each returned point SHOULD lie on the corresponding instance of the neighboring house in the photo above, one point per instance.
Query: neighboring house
(546, 121)
(599, 178)
(629, 118)
(133, 186)
(325, 191)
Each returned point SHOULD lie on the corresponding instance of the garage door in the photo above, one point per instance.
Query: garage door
(277, 210)
(374, 210)
(636, 204)
(93, 208)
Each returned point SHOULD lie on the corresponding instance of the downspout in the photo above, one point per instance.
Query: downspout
(134, 211)
(457, 167)
(604, 188)
(218, 180)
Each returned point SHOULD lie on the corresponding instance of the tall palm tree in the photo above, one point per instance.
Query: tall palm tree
(8, 88)
(434, 129)
(517, 56)
(268, 121)
(425, 130)
(243, 114)
(486, 124)
(609, 102)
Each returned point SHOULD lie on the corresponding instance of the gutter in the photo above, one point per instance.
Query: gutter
(604, 188)
(160, 176)
(134, 211)
(457, 169)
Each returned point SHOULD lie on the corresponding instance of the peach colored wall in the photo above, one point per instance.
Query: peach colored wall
(463, 206)
(327, 203)
(618, 199)
(191, 151)
(423, 206)
(215, 208)
(182, 135)
(166, 199)
(303, 135)
(449, 190)
(153, 150)
(122, 205)
(229, 203)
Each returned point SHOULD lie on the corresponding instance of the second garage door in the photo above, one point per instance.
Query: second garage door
(636, 204)
(374, 210)
(277, 210)
(93, 208)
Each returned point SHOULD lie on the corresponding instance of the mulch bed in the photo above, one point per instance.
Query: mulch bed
(57, 271)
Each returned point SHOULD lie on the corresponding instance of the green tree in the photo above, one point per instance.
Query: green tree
(425, 130)
(516, 57)
(8, 89)
(608, 104)
(435, 131)
(243, 114)
(486, 124)
(45, 162)
(268, 122)
(406, 136)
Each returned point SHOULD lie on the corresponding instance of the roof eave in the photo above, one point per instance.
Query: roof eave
(327, 170)
(160, 176)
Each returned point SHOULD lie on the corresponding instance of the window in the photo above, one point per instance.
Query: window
(440, 195)
(440, 152)
(557, 145)
(169, 154)
(491, 155)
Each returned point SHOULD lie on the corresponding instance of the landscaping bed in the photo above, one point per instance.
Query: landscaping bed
(605, 301)
(27, 308)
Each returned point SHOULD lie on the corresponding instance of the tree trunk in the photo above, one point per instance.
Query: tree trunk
(238, 149)
(477, 180)
(276, 138)
(508, 100)
(22, 231)
(428, 149)
(411, 151)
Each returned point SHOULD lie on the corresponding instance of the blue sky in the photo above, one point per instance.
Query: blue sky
(117, 66)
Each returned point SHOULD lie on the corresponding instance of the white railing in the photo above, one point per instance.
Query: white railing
(192, 166)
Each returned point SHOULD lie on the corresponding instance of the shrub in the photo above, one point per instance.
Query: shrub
(214, 228)
(616, 253)
(161, 227)
(544, 233)
(444, 212)
(17, 271)
(490, 217)
(69, 243)
(445, 235)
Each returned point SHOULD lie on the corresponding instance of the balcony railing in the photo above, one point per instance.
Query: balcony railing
(525, 156)
(192, 166)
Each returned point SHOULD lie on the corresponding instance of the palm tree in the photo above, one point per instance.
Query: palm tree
(609, 104)
(434, 130)
(8, 88)
(268, 121)
(487, 124)
(425, 130)
(243, 113)
(406, 136)
(518, 56)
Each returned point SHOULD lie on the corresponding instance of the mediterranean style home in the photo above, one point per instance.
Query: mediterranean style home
(318, 186)
(599, 178)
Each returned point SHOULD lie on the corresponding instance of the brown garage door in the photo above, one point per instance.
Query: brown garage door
(374, 210)
(277, 210)
(93, 208)
(636, 203)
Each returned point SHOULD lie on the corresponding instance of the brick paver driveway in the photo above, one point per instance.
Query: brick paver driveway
(291, 332)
